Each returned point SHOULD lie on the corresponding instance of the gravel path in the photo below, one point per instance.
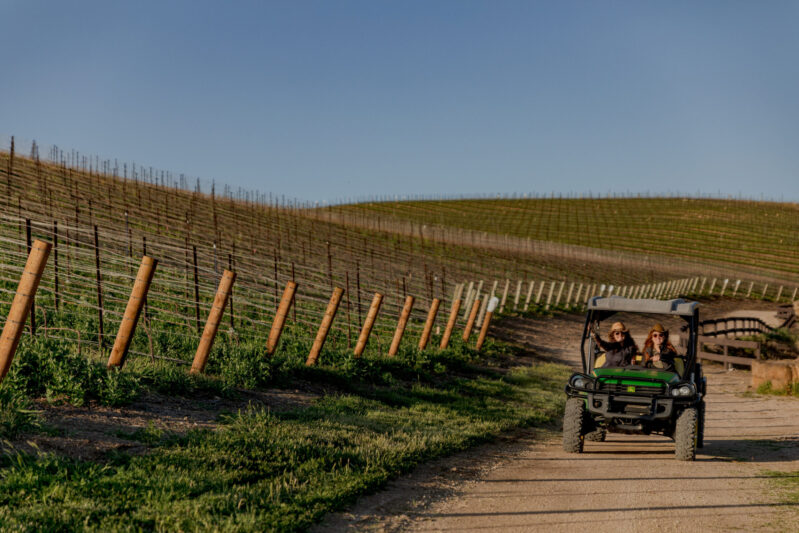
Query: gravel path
(628, 483)
(633, 483)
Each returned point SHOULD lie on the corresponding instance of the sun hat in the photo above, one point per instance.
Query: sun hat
(659, 328)
(618, 326)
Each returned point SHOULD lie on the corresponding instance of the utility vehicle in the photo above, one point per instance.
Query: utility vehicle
(634, 398)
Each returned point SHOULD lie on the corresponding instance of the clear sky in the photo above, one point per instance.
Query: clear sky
(323, 100)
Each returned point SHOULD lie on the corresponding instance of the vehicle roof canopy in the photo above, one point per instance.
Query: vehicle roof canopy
(616, 304)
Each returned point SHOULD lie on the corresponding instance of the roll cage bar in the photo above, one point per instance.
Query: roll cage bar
(601, 308)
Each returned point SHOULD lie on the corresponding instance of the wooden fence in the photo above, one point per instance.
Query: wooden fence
(704, 341)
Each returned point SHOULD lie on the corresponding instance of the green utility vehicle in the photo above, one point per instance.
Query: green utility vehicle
(634, 398)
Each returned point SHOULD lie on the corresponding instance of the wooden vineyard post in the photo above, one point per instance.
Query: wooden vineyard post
(724, 287)
(492, 305)
(23, 299)
(541, 285)
(403, 321)
(212, 324)
(504, 296)
(368, 323)
(453, 317)
(560, 293)
(551, 292)
(569, 295)
(467, 331)
(324, 327)
(468, 300)
(428, 326)
(132, 312)
(735, 288)
(280, 317)
(529, 295)
(481, 314)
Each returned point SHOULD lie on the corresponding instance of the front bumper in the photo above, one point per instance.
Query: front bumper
(629, 407)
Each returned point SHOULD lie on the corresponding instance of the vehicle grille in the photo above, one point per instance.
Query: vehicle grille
(622, 389)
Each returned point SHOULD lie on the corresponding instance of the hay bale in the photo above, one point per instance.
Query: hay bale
(781, 374)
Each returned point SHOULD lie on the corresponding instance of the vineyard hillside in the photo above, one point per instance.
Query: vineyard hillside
(737, 235)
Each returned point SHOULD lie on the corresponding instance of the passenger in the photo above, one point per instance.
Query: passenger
(658, 351)
(620, 350)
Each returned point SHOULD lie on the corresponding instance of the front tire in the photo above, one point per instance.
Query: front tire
(573, 420)
(686, 434)
(597, 435)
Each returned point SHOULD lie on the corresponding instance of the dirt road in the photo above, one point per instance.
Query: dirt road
(628, 483)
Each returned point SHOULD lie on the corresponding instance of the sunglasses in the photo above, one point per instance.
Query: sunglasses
(659, 335)
(618, 333)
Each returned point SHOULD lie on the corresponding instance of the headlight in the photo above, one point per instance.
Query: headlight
(580, 382)
(683, 390)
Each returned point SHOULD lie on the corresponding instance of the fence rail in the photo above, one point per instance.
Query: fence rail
(726, 344)
(733, 326)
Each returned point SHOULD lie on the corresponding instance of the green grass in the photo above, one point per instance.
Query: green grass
(787, 483)
(262, 470)
(768, 388)
(781, 335)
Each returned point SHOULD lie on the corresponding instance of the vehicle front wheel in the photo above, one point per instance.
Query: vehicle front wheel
(573, 420)
(685, 435)
(597, 435)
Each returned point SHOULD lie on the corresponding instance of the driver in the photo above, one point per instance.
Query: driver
(620, 349)
(658, 351)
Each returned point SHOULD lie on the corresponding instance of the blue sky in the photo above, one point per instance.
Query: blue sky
(327, 100)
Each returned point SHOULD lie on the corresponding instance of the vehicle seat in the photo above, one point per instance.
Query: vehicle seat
(679, 365)
(599, 360)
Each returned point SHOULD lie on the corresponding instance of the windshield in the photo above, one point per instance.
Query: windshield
(638, 341)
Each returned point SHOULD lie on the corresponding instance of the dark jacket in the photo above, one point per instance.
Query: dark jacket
(666, 359)
(616, 353)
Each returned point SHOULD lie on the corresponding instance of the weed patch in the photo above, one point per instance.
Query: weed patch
(16, 413)
(54, 370)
